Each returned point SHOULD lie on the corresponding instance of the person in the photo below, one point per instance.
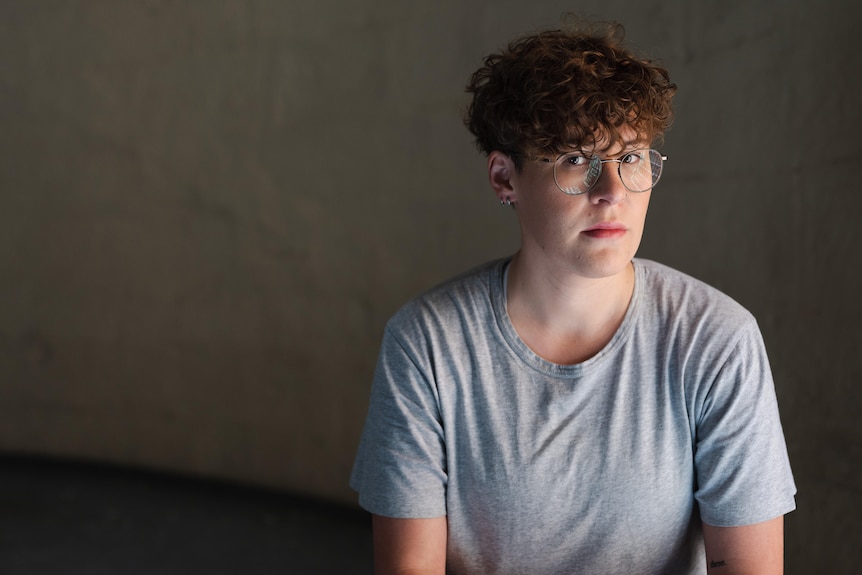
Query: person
(573, 408)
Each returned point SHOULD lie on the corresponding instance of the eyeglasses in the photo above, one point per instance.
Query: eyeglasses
(576, 173)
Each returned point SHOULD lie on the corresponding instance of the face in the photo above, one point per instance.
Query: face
(592, 235)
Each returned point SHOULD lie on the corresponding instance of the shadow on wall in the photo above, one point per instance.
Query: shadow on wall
(70, 518)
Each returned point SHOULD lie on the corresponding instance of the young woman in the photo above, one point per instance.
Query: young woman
(574, 409)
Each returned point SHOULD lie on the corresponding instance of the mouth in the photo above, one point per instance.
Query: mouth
(605, 230)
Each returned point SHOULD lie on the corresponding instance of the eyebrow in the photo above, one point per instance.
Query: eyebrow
(629, 145)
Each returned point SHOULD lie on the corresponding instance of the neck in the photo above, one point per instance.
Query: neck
(563, 317)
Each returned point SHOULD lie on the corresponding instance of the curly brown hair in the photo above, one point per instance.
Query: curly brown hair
(560, 90)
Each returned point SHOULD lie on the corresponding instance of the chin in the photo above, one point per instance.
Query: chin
(602, 267)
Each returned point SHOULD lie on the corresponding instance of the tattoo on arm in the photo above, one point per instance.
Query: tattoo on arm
(714, 564)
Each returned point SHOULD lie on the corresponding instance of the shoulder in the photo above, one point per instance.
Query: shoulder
(451, 318)
(465, 297)
(693, 320)
(677, 295)
(444, 326)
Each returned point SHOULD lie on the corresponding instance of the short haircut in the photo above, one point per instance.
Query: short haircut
(559, 90)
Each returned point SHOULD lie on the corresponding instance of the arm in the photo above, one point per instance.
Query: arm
(751, 549)
(409, 546)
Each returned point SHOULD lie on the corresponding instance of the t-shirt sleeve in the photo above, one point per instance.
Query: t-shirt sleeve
(742, 469)
(400, 466)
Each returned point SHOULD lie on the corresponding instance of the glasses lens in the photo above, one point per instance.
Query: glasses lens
(640, 170)
(576, 173)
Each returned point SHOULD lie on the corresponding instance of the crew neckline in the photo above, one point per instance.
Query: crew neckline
(499, 274)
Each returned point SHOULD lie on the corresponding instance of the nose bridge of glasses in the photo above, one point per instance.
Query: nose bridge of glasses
(597, 168)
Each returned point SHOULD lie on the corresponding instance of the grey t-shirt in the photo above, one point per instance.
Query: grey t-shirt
(607, 466)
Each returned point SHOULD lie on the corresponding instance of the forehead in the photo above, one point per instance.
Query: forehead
(625, 138)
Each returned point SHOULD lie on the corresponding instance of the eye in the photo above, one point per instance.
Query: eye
(634, 157)
(575, 160)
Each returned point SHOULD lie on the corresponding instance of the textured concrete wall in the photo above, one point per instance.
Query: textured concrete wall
(209, 208)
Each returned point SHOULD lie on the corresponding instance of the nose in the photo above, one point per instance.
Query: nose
(609, 188)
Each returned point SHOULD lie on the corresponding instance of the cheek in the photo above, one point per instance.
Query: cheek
(563, 214)
(544, 205)
(641, 208)
(638, 222)
(546, 222)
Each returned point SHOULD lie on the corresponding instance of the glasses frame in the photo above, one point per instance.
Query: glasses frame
(596, 163)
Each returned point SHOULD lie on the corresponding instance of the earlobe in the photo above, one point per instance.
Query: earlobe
(500, 170)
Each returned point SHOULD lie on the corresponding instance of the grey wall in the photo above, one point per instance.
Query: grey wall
(208, 209)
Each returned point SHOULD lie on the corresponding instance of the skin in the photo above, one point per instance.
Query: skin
(568, 292)
(750, 549)
(409, 546)
(418, 547)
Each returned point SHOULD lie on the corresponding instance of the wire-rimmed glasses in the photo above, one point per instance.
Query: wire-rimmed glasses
(576, 173)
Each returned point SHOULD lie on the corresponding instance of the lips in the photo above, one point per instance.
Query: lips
(603, 230)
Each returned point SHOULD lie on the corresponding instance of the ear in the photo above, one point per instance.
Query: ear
(500, 172)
